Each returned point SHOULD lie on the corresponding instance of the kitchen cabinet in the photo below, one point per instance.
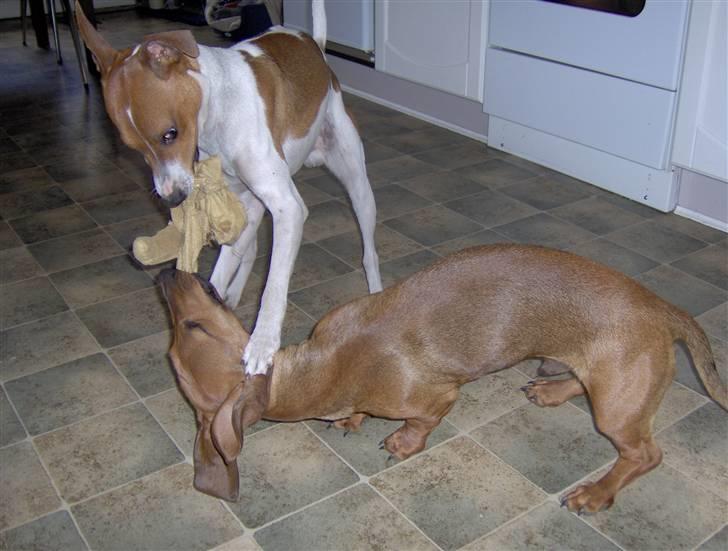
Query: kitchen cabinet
(438, 44)
(701, 142)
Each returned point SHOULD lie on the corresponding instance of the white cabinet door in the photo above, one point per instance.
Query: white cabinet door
(701, 132)
(438, 43)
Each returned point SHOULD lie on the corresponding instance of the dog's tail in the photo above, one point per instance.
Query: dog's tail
(686, 329)
(319, 23)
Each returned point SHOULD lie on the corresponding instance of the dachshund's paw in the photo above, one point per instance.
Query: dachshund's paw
(546, 393)
(402, 445)
(352, 423)
(587, 499)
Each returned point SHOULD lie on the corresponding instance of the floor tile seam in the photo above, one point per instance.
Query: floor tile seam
(73, 204)
(563, 218)
(551, 498)
(64, 506)
(297, 307)
(88, 333)
(509, 522)
(114, 254)
(64, 503)
(55, 288)
(143, 478)
(246, 531)
(402, 515)
(253, 531)
(649, 221)
(431, 205)
(28, 437)
(29, 149)
(139, 397)
(72, 234)
(426, 451)
(512, 469)
(567, 404)
(434, 203)
(337, 257)
(111, 299)
(671, 264)
(88, 418)
(724, 292)
(720, 493)
(492, 227)
(466, 431)
(34, 189)
(333, 451)
(712, 534)
(141, 400)
(321, 282)
(704, 401)
(82, 206)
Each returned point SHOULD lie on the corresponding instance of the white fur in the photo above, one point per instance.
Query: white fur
(232, 124)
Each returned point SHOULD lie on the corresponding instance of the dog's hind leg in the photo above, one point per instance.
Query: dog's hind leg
(235, 261)
(624, 407)
(343, 154)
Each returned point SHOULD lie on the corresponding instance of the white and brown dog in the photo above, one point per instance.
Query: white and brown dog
(266, 106)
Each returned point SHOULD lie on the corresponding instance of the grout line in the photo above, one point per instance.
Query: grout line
(405, 517)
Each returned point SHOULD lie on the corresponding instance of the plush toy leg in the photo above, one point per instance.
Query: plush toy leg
(161, 247)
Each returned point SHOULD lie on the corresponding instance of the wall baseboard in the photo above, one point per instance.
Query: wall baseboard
(416, 114)
(701, 218)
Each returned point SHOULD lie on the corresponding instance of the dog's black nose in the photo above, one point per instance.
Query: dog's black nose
(175, 198)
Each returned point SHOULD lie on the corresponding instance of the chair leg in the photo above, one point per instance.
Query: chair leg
(80, 52)
(23, 13)
(54, 24)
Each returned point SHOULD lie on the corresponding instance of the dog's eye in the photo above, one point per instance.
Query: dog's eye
(169, 136)
(189, 324)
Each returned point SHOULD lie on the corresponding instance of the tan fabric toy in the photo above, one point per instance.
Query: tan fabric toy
(210, 212)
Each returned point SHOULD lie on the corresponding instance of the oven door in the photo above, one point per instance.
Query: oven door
(587, 92)
(646, 47)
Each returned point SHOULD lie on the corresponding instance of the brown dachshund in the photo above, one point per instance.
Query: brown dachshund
(404, 353)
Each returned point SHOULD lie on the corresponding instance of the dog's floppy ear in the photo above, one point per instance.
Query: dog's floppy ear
(163, 50)
(243, 406)
(213, 475)
(103, 53)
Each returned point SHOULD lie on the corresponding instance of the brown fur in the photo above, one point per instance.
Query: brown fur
(403, 354)
(159, 68)
(293, 79)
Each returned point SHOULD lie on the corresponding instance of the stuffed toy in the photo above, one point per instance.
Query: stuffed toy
(211, 212)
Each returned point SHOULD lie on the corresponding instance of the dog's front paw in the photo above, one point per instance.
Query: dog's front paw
(587, 498)
(258, 355)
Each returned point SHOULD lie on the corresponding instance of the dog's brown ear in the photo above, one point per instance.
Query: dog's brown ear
(213, 475)
(104, 54)
(243, 406)
(164, 50)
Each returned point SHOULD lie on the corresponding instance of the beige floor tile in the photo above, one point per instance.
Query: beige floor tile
(458, 479)
(356, 519)
(27, 492)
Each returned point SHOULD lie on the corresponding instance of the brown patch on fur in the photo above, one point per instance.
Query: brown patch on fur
(128, 85)
(152, 83)
(293, 80)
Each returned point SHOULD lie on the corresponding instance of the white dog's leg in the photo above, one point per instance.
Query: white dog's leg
(289, 213)
(343, 154)
(246, 249)
(231, 271)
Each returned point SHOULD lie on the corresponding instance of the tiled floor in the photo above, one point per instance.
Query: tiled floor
(95, 440)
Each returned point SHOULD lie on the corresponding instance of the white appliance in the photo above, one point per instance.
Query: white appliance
(590, 93)
(350, 23)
